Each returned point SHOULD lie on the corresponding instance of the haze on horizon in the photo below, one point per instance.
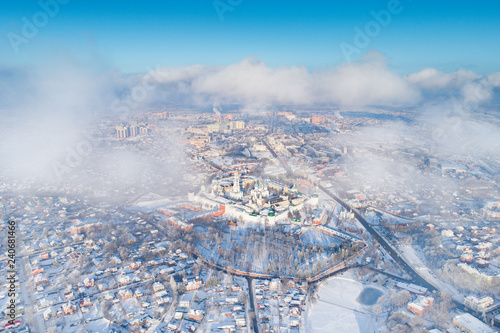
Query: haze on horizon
(66, 64)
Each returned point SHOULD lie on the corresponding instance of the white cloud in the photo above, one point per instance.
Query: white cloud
(43, 111)
(366, 82)
(494, 79)
(476, 92)
(53, 107)
(431, 78)
(251, 81)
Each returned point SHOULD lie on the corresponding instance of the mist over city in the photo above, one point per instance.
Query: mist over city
(241, 166)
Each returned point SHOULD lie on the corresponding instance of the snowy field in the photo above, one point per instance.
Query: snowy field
(338, 308)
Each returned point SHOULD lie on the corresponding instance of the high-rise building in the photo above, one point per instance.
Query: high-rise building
(236, 125)
(134, 130)
(125, 131)
(318, 119)
(122, 132)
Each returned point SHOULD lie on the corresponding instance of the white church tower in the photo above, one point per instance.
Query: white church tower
(236, 182)
(237, 193)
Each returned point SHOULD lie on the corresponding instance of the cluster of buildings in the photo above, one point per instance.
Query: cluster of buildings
(477, 247)
(106, 267)
(209, 128)
(253, 199)
(131, 130)
(79, 272)
(231, 299)
(492, 210)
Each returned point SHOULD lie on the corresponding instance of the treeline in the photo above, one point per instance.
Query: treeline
(273, 252)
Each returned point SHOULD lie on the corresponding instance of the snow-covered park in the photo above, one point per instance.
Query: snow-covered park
(340, 308)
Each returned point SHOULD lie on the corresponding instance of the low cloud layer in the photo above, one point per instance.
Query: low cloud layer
(44, 114)
(45, 111)
(365, 82)
(362, 83)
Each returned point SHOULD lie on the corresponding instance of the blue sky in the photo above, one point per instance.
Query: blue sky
(133, 36)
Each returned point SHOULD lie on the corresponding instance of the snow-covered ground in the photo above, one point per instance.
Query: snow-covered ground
(338, 309)
(101, 325)
(263, 251)
(414, 256)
